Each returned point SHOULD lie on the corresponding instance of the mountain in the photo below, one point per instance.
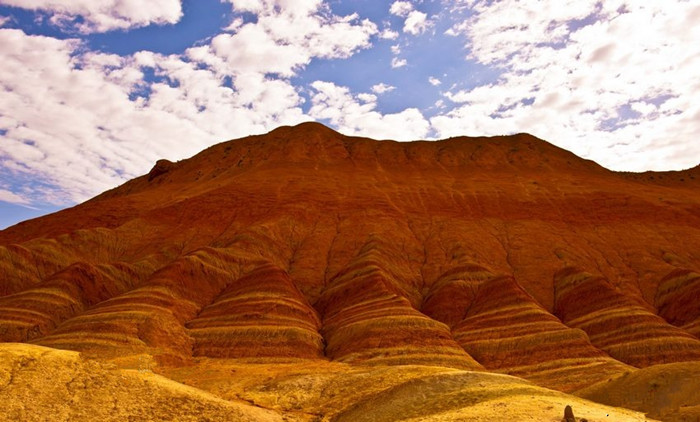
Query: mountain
(327, 277)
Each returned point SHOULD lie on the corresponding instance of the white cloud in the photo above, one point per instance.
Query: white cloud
(434, 81)
(367, 98)
(396, 62)
(4, 20)
(267, 7)
(286, 36)
(353, 116)
(7, 196)
(453, 31)
(82, 122)
(416, 23)
(401, 8)
(608, 82)
(69, 122)
(388, 34)
(235, 24)
(382, 88)
(253, 49)
(104, 15)
(395, 49)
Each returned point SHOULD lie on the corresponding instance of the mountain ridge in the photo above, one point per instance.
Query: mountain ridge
(504, 254)
(489, 153)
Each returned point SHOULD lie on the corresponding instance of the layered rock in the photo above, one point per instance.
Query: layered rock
(678, 300)
(452, 295)
(151, 317)
(261, 314)
(36, 311)
(376, 240)
(21, 267)
(506, 330)
(619, 324)
(368, 318)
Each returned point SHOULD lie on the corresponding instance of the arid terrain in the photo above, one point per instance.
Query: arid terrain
(303, 275)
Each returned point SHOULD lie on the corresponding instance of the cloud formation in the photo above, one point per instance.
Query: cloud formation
(415, 23)
(285, 38)
(354, 115)
(12, 198)
(382, 88)
(85, 121)
(87, 16)
(613, 81)
(388, 34)
(595, 77)
(401, 8)
(397, 62)
(68, 118)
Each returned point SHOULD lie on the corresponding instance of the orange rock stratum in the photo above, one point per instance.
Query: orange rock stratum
(304, 275)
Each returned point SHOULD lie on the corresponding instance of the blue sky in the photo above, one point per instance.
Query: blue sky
(95, 91)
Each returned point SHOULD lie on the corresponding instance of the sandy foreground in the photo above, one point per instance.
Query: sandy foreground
(44, 384)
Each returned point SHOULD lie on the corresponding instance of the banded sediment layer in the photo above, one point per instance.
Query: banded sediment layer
(396, 262)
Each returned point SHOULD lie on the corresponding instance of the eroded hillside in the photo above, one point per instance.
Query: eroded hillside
(308, 248)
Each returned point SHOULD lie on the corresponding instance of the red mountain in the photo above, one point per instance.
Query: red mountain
(307, 252)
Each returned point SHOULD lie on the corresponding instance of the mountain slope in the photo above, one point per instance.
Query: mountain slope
(306, 245)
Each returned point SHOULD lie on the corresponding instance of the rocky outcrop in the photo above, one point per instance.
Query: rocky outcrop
(36, 311)
(261, 314)
(506, 330)
(161, 167)
(568, 414)
(619, 324)
(150, 317)
(678, 300)
(367, 318)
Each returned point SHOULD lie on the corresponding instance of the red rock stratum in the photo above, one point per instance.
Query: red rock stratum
(313, 254)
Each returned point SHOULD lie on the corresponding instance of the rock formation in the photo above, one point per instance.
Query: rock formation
(303, 253)
(677, 299)
(621, 326)
(502, 321)
(568, 414)
(261, 314)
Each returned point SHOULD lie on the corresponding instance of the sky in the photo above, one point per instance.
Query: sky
(95, 91)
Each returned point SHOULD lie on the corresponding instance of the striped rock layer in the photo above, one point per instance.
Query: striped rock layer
(505, 254)
(368, 318)
(261, 314)
(499, 321)
(678, 300)
(618, 324)
(36, 311)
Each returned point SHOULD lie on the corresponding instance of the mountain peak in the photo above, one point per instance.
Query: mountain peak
(310, 127)
(312, 142)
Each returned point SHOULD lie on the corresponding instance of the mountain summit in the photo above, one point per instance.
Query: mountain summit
(327, 277)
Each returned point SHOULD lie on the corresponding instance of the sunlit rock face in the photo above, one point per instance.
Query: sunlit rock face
(618, 324)
(305, 255)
